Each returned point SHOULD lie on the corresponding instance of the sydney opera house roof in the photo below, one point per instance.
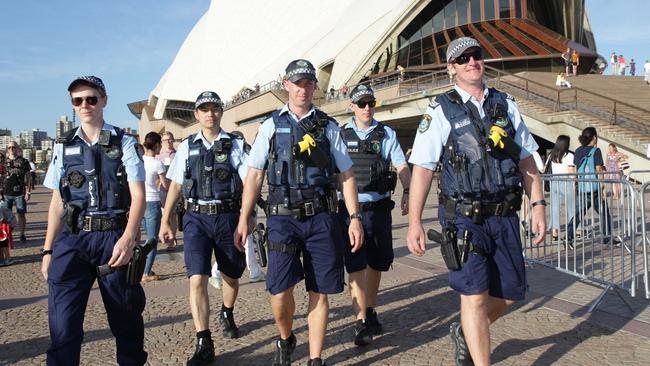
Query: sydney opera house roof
(239, 44)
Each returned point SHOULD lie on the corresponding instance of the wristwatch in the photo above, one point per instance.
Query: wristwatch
(356, 215)
(45, 252)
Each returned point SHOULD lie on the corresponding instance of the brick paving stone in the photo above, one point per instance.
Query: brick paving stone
(416, 308)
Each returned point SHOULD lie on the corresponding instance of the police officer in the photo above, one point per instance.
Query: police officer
(478, 136)
(207, 170)
(372, 147)
(299, 147)
(18, 184)
(98, 201)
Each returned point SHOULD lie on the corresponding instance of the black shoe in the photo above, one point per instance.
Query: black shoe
(204, 353)
(227, 321)
(316, 362)
(362, 333)
(373, 322)
(283, 350)
(462, 356)
(23, 238)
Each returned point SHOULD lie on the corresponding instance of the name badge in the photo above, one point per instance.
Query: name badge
(353, 143)
(462, 123)
(74, 150)
(283, 130)
(194, 152)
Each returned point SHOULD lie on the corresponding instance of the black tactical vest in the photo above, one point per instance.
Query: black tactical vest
(370, 169)
(209, 174)
(94, 178)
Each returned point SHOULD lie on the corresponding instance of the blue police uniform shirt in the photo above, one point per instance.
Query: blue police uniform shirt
(390, 149)
(428, 145)
(260, 151)
(132, 162)
(176, 171)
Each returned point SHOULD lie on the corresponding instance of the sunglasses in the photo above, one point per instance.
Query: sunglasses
(363, 105)
(168, 140)
(464, 58)
(77, 101)
(11, 147)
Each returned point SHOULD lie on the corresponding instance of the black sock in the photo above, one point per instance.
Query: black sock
(204, 334)
(227, 309)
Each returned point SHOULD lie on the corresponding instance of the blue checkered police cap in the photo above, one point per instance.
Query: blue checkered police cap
(208, 97)
(300, 69)
(89, 80)
(360, 91)
(460, 45)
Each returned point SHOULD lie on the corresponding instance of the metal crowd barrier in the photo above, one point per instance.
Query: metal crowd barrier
(601, 227)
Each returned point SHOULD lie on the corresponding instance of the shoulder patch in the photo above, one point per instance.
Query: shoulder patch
(424, 124)
(434, 103)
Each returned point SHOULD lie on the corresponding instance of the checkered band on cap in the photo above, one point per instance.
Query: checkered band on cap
(458, 46)
(302, 70)
(208, 97)
(361, 91)
(88, 79)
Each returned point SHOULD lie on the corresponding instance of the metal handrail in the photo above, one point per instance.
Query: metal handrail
(615, 112)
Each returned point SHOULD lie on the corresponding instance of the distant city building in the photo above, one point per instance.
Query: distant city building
(26, 139)
(63, 125)
(40, 157)
(5, 140)
(5, 132)
(47, 144)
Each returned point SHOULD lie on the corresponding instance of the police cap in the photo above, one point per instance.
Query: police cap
(460, 45)
(300, 69)
(89, 80)
(208, 97)
(361, 91)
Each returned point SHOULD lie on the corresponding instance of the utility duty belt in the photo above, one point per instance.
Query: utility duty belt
(304, 209)
(104, 223)
(455, 253)
(385, 204)
(478, 210)
(213, 208)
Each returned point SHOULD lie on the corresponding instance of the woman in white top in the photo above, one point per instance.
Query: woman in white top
(155, 178)
(561, 161)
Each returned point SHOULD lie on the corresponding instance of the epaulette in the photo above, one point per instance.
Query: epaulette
(67, 136)
(509, 96)
(247, 148)
(453, 96)
(434, 103)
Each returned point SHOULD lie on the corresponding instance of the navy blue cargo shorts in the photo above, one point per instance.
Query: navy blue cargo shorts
(502, 271)
(319, 241)
(377, 249)
(206, 234)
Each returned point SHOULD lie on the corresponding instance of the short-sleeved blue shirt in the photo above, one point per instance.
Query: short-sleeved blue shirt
(132, 162)
(390, 149)
(260, 151)
(428, 145)
(176, 171)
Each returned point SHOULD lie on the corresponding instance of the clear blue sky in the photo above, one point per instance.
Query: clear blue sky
(130, 44)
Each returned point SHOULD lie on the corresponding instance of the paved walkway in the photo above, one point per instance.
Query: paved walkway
(550, 327)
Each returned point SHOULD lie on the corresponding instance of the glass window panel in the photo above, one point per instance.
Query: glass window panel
(450, 15)
(427, 51)
(415, 54)
(504, 9)
(476, 10)
(402, 57)
(426, 28)
(489, 9)
(417, 35)
(518, 8)
(438, 22)
(461, 7)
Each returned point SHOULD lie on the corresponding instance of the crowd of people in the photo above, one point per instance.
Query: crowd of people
(328, 208)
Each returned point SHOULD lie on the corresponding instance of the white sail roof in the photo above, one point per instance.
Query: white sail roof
(242, 43)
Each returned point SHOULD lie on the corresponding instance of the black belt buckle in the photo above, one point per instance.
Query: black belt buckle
(476, 212)
(309, 209)
(195, 207)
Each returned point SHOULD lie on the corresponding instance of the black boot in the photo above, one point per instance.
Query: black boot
(373, 322)
(316, 362)
(283, 350)
(227, 321)
(462, 355)
(204, 353)
(362, 333)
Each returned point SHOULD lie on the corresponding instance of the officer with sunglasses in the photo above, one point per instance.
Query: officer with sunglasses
(207, 171)
(98, 200)
(300, 147)
(373, 147)
(478, 136)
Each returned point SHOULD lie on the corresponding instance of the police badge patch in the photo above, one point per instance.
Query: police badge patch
(424, 124)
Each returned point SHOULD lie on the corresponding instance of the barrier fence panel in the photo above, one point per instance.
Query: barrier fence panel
(596, 231)
(644, 197)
